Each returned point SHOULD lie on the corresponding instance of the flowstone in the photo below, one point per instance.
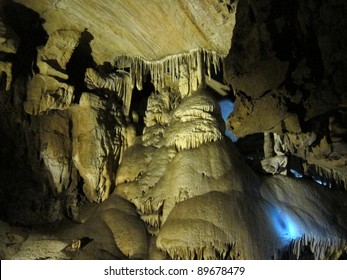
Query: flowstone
(195, 193)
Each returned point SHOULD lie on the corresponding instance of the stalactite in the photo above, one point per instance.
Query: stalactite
(322, 249)
(210, 252)
(195, 60)
(331, 175)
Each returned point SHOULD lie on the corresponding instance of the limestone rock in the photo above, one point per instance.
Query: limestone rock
(59, 48)
(118, 82)
(133, 30)
(215, 225)
(218, 228)
(17, 244)
(85, 93)
(115, 231)
(158, 109)
(55, 150)
(97, 146)
(45, 93)
(194, 122)
(275, 52)
(258, 115)
(275, 164)
(48, 70)
(189, 157)
(297, 211)
(8, 45)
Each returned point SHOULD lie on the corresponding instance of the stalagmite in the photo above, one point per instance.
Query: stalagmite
(110, 117)
(216, 220)
(189, 142)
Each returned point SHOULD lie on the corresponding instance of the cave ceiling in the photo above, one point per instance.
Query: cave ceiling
(148, 29)
(152, 129)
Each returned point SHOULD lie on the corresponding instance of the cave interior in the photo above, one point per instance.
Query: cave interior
(173, 129)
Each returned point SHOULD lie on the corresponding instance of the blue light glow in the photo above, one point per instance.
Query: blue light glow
(320, 181)
(227, 107)
(284, 224)
(296, 173)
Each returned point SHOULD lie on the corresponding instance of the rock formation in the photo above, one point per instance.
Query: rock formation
(113, 143)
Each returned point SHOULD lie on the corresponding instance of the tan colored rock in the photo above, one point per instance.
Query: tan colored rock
(59, 48)
(233, 225)
(259, 115)
(45, 93)
(114, 227)
(119, 82)
(132, 28)
(158, 109)
(196, 121)
(55, 150)
(217, 225)
(47, 70)
(8, 45)
(275, 164)
(263, 76)
(179, 160)
(96, 145)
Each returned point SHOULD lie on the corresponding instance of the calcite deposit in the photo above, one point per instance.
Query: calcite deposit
(173, 129)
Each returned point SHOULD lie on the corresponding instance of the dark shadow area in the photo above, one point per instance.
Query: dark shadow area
(139, 103)
(80, 60)
(251, 148)
(27, 24)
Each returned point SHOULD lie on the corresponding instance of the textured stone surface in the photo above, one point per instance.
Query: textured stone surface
(292, 48)
(148, 29)
(46, 93)
(284, 65)
(109, 116)
(97, 144)
(180, 159)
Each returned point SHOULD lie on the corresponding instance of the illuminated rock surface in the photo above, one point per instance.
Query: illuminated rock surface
(117, 122)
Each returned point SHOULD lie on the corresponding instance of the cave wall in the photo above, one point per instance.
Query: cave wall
(286, 67)
(74, 133)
